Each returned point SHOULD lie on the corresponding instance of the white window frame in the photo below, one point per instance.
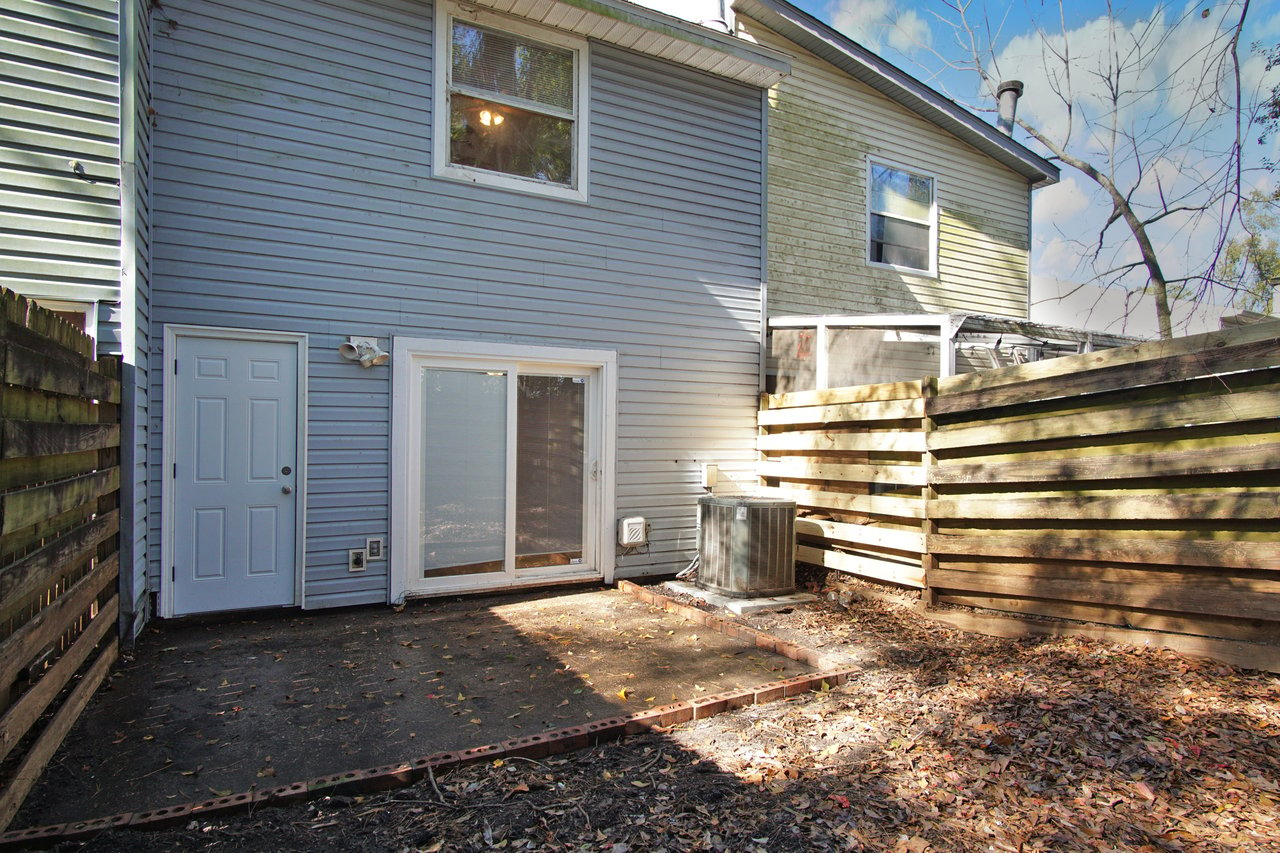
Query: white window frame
(445, 13)
(599, 508)
(932, 221)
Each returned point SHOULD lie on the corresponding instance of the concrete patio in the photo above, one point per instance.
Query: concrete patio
(201, 708)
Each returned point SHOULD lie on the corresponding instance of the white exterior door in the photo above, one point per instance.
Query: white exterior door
(234, 469)
(503, 459)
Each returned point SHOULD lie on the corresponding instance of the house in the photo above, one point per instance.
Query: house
(884, 196)
(415, 297)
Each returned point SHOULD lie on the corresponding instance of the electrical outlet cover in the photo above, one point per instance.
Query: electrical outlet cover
(373, 547)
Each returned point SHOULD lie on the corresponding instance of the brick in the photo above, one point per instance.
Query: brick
(388, 777)
(739, 698)
(82, 828)
(21, 839)
(800, 685)
(709, 706)
(771, 692)
(223, 805)
(436, 761)
(329, 784)
(676, 712)
(599, 731)
(788, 650)
(161, 817)
(809, 657)
(281, 794)
(530, 746)
(642, 721)
(766, 642)
(699, 617)
(567, 739)
(479, 753)
(834, 677)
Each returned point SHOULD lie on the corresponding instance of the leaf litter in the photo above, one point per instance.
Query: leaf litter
(946, 741)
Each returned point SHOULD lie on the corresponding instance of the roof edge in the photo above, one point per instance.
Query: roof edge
(653, 33)
(829, 44)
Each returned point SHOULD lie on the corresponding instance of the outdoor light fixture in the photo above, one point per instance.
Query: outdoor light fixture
(364, 350)
(491, 119)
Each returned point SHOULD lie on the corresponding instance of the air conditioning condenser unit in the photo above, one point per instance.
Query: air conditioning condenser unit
(748, 546)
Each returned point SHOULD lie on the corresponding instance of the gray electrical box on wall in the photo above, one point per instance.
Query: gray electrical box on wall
(748, 547)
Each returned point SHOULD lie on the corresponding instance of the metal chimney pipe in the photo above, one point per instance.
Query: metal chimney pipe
(1007, 98)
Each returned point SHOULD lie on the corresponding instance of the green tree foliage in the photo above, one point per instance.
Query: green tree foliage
(1251, 262)
(1269, 111)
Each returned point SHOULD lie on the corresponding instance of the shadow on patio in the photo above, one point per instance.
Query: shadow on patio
(203, 708)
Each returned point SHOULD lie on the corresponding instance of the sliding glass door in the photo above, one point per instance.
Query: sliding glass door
(502, 479)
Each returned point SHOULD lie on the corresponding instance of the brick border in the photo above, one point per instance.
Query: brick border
(830, 673)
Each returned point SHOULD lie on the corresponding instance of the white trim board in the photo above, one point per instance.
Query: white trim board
(172, 332)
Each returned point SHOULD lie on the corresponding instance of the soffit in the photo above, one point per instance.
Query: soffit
(653, 33)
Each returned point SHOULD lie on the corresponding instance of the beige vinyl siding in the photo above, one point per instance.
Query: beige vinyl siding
(823, 125)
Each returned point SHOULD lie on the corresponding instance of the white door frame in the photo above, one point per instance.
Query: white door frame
(172, 332)
(404, 498)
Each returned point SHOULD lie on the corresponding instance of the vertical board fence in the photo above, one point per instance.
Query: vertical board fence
(1135, 487)
(59, 525)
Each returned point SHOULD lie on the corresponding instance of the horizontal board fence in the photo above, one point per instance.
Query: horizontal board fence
(853, 461)
(59, 526)
(1135, 487)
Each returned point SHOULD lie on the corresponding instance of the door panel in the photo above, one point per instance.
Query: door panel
(464, 472)
(235, 511)
(550, 470)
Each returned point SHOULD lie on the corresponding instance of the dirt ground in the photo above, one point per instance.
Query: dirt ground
(947, 742)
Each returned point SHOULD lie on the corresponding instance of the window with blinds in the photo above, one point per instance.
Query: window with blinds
(901, 218)
(513, 102)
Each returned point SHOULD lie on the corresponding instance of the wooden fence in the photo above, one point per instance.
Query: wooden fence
(1135, 487)
(59, 524)
(852, 460)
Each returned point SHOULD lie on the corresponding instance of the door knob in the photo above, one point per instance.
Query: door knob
(288, 490)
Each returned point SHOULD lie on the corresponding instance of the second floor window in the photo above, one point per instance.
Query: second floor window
(513, 104)
(901, 218)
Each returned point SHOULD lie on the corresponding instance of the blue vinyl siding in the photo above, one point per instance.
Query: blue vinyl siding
(292, 192)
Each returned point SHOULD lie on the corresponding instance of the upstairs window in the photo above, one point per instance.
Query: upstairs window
(901, 218)
(510, 105)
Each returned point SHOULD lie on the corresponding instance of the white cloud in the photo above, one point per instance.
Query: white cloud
(909, 32)
(1166, 69)
(875, 23)
(1115, 309)
(1058, 204)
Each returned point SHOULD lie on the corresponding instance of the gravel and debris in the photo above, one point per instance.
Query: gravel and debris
(947, 742)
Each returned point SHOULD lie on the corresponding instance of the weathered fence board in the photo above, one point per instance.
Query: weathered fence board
(1137, 487)
(855, 474)
(59, 535)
